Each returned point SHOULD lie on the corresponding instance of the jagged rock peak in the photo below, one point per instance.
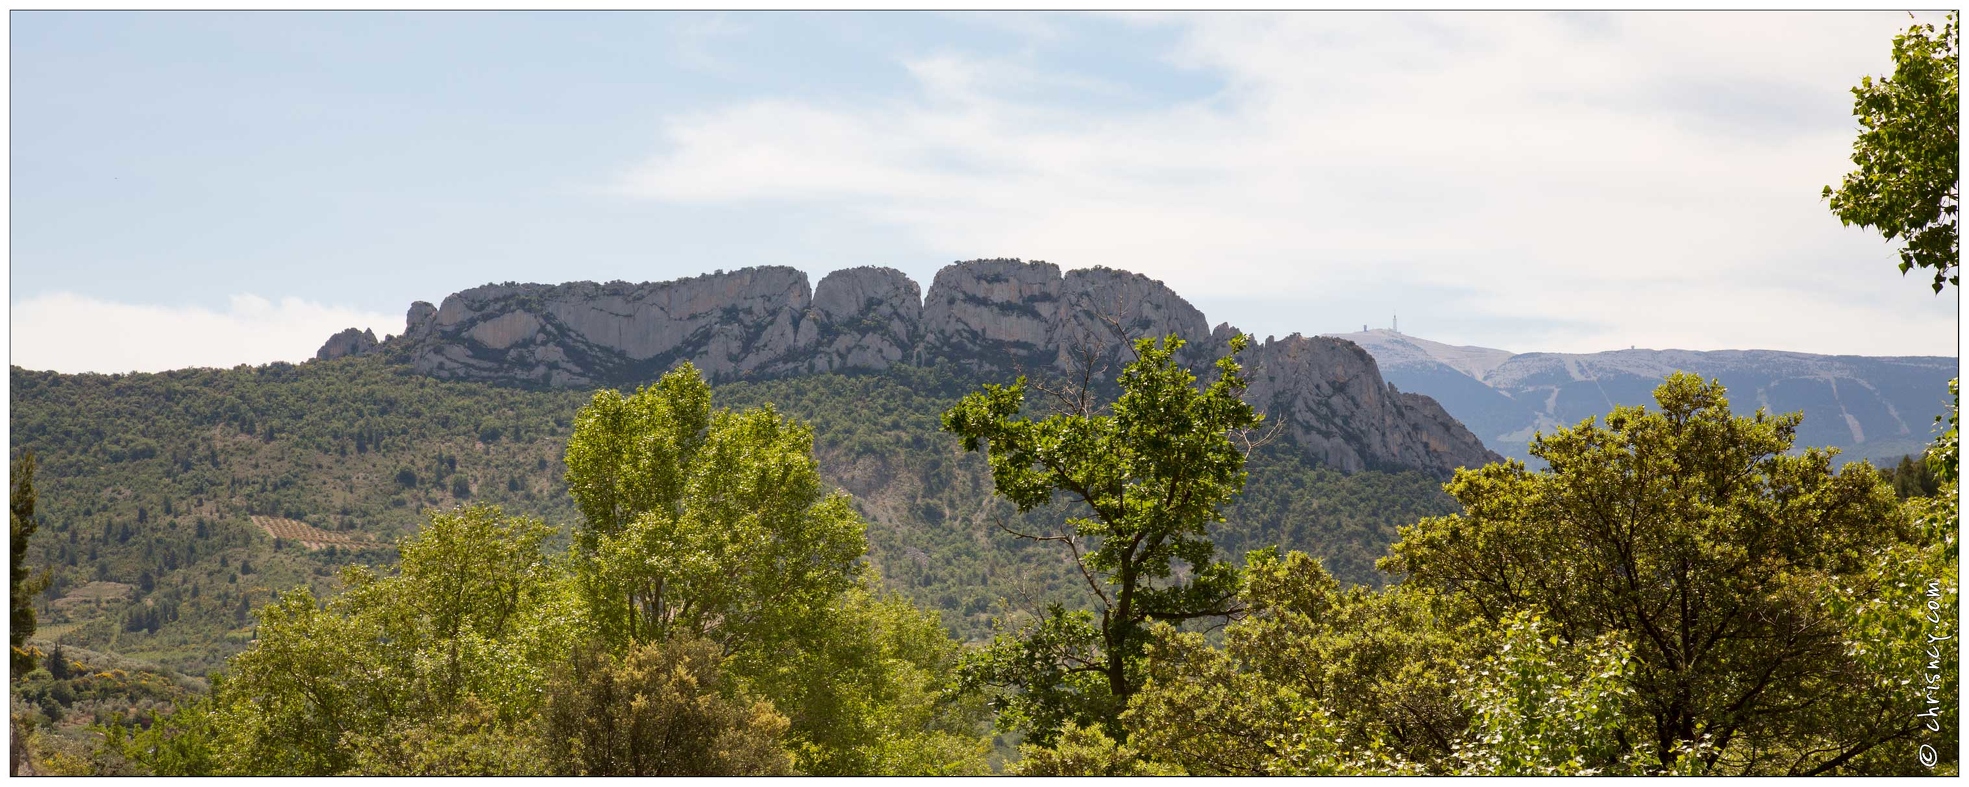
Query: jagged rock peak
(1009, 314)
(864, 318)
(420, 320)
(996, 316)
(582, 333)
(348, 342)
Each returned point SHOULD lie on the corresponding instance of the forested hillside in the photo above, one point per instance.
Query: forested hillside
(149, 484)
(680, 544)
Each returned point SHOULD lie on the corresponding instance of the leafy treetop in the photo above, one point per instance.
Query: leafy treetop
(1906, 185)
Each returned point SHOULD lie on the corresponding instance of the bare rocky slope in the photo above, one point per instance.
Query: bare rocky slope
(983, 316)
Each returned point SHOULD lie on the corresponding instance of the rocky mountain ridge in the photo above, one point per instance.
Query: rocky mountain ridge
(1870, 407)
(998, 315)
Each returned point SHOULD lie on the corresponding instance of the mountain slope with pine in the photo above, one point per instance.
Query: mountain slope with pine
(154, 488)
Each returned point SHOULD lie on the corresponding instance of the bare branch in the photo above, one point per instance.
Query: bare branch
(1264, 436)
(1073, 544)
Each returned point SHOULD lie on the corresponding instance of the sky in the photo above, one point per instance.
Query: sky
(210, 189)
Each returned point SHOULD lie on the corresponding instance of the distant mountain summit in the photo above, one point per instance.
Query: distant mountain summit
(1869, 407)
(997, 317)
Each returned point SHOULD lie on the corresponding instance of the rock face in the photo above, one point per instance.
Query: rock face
(730, 324)
(996, 315)
(1007, 314)
(348, 342)
(864, 318)
(1330, 396)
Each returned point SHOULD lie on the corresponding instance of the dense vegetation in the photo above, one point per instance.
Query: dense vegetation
(801, 575)
(148, 482)
(1741, 608)
(1673, 593)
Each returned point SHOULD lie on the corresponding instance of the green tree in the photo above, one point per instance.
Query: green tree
(1544, 707)
(1902, 629)
(665, 709)
(1913, 477)
(630, 455)
(705, 524)
(1087, 751)
(716, 525)
(1906, 185)
(20, 528)
(868, 688)
(1150, 477)
(471, 740)
(1697, 539)
(448, 655)
(1314, 679)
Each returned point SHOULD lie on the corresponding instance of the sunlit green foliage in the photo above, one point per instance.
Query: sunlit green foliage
(452, 644)
(713, 524)
(1542, 707)
(1677, 567)
(1087, 751)
(1907, 185)
(1902, 631)
(1696, 539)
(1151, 474)
(659, 711)
(1315, 679)
(704, 524)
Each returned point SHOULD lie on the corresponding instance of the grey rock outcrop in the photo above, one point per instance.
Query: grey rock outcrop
(1329, 394)
(864, 318)
(1008, 314)
(348, 342)
(420, 321)
(730, 324)
(989, 316)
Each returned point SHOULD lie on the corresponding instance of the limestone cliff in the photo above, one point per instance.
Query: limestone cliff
(864, 318)
(1330, 396)
(1007, 314)
(730, 324)
(1004, 316)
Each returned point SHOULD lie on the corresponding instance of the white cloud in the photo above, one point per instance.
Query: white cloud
(1645, 179)
(74, 333)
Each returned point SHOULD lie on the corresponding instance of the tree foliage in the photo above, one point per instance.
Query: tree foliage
(662, 710)
(1149, 476)
(1543, 707)
(448, 652)
(702, 523)
(1087, 751)
(1701, 543)
(1906, 185)
(20, 593)
(22, 583)
(1902, 612)
(698, 523)
(1314, 679)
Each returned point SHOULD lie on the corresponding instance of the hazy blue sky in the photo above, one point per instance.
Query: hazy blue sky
(217, 188)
